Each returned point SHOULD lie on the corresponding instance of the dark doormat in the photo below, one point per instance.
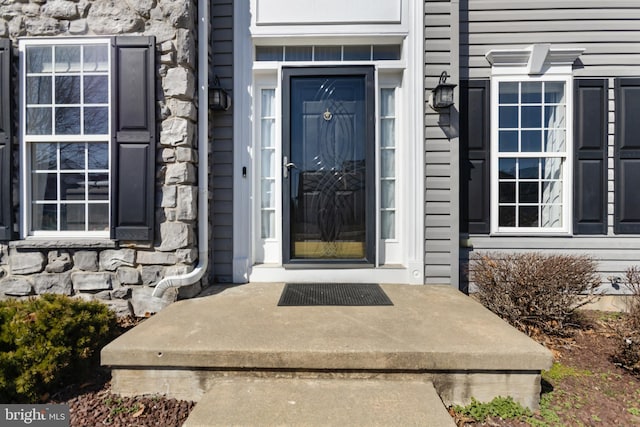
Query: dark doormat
(357, 294)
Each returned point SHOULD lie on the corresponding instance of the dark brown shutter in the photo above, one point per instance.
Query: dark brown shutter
(6, 205)
(134, 136)
(627, 156)
(590, 155)
(475, 156)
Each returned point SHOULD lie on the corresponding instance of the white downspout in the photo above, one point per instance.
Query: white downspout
(203, 161)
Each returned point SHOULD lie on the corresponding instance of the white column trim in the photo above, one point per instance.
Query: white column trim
(415, 99)
(454, 120)
(242, 137)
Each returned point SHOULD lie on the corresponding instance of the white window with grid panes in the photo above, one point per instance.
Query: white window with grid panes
(531, 162)
(65, 107)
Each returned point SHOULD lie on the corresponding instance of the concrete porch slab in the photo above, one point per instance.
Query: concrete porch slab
(433, 332)
(287, 402)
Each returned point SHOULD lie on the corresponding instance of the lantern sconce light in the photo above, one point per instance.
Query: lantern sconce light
(442, 95)
(219, 99)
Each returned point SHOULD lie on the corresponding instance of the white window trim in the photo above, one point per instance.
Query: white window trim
(269, 250)
(412, 71)
(533, 60)
(567, 172)
(26, 231)
(266, 250)
(390, 251)
(288, 24)
(538, 62)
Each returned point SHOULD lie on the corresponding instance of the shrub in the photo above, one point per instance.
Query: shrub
(633, 283)
(628, 352)
(49, 342)
(532, 291)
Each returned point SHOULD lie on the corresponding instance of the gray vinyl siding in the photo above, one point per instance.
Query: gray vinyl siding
(441, 165)
(609, 31)
(221, 144)
(612, 254)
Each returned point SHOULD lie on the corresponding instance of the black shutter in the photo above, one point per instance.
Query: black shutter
(627, 156)
(590, 157)
(475, 155)
(6, 206)
(134, 136)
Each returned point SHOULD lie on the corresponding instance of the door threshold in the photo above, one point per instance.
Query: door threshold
(325, 266)
(306, 273)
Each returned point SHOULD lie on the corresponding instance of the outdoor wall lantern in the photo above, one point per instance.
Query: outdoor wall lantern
(442, 95)
(219, 99)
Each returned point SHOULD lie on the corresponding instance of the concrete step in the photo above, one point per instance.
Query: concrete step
(313, 402)
(432, 334)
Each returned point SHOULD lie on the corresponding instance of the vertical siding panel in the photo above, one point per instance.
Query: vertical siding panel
(590, 156)
(627, 156)
(475, 156)
(6, 201)
(134, 138)
(440, 166)
(221, 144)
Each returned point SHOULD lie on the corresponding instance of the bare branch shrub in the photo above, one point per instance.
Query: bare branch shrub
(628, 352)
(532, 291)
(633, 283)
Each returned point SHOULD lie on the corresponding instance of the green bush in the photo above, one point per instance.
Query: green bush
(49, 342)
(532, 291)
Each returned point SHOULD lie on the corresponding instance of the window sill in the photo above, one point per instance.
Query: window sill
(41, 243)
(530, 234)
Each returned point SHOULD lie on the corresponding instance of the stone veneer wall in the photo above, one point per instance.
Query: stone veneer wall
(119, 273)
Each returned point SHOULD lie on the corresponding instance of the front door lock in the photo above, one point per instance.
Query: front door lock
(286, 165)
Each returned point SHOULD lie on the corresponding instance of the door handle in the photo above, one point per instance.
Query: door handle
(286, 165)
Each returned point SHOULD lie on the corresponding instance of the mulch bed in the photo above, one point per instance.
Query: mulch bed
(92, 403)
(592, 390)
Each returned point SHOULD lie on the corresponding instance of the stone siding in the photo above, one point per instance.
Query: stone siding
(121, 274)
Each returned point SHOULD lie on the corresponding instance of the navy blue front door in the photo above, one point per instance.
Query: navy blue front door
(328, 165)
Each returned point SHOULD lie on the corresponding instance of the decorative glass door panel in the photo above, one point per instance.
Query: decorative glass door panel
(328, 165)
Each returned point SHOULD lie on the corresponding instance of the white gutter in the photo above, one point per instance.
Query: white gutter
(203, 161)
